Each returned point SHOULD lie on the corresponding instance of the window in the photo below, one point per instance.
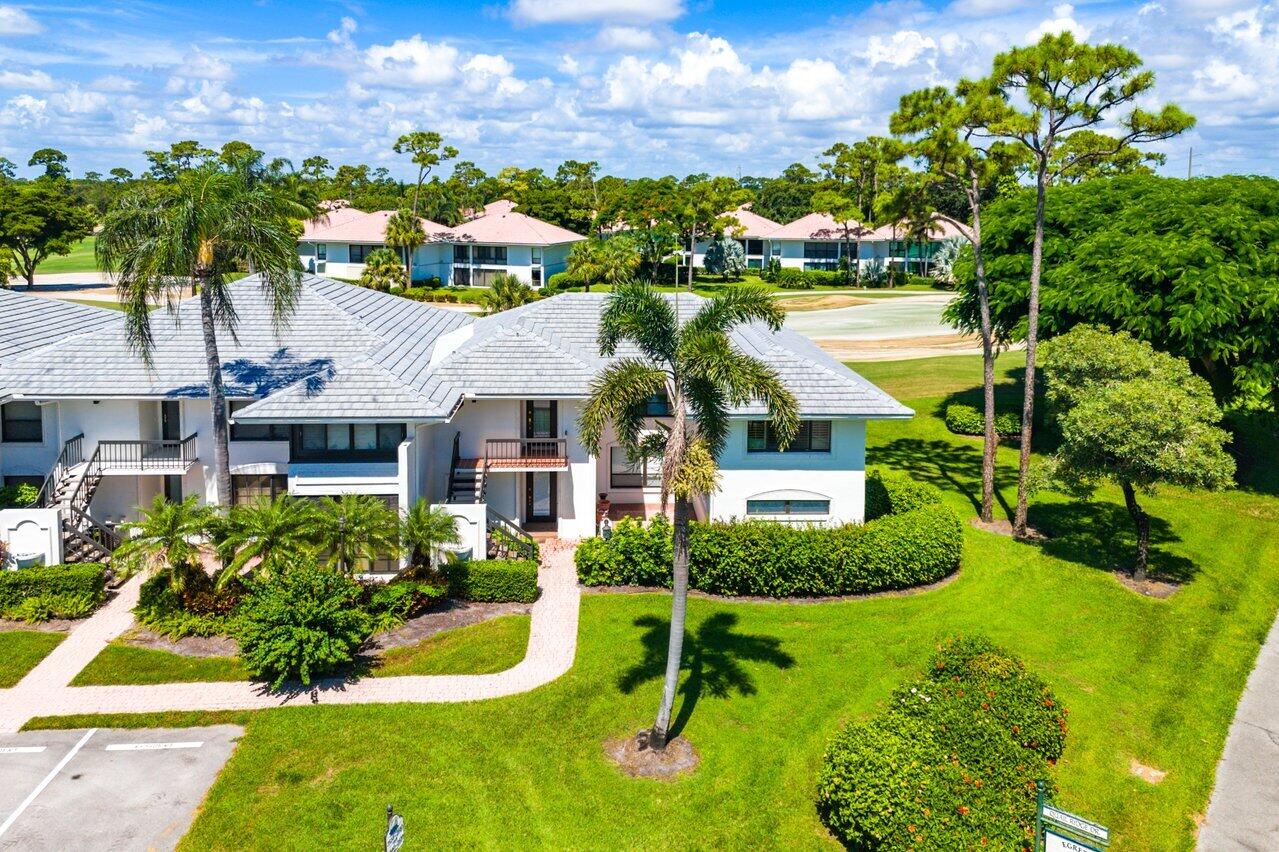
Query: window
(490, 255)
(813, 437)
(787, 507)
(536, 274)
(37, 481)
(20, 423)
(461, 254)
(627, 472)
(255, 431)
(540, 417)
(359, 253)
(321, 251)
(657, 405)
(776, 249)
(537, 255)
(821, 251)
(347, 442)
(249, 488)
(754, 247)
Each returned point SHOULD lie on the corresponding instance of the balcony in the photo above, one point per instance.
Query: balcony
(507, 454)
(141, 458)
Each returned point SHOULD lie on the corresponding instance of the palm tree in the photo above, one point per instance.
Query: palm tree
(355, 528)
(619, 260)
(274, 532)
(704, 377)
(425, 529)
(404, 232)
(507, 291)
(166, 539)
(382, 271)
(585, 263)
(196, 229)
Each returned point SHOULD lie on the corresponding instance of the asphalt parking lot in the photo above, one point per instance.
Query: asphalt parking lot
(106, 789)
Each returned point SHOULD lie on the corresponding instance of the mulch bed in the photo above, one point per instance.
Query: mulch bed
(632, 757)
(1004, 527)
(1150, 588)
(57, 625)
(694, 593)
(451, 614)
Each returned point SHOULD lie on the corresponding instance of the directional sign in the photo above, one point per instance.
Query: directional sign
(395, 834)
(1054, 842)
(1076, 823)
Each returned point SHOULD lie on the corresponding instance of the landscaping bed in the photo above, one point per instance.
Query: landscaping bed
(53, 593)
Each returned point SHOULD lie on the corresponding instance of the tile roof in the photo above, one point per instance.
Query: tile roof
(754, 226)
(347, 226)
(509, 227)
(330, 219)
(814, 226)
(350, 353)
(29, 322)
(941, 228)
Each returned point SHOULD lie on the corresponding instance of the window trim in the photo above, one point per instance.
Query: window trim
(787, 508)
(648, 467)
(349, 455)
(275, 431)
(6, 420)
(803, 442)
(275, 489)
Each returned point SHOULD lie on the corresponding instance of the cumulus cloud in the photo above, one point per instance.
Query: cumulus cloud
(15, 21)
(114, 83)
(626, 39)
(34, 80)
(900, 49)
(409, 62)
(1063, 20)
(591, 11)
(25, 111)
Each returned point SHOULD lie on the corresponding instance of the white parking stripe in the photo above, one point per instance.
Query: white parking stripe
(150, 746)
(26, 803)
(22, 749)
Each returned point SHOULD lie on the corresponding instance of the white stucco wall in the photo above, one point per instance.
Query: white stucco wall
(838, 476)
(34, 536)
(33, 459)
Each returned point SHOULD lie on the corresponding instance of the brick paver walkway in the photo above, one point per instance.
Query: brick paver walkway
(45, 691)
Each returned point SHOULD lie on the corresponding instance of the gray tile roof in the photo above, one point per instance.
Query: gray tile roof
(349, 353)
(28, 322)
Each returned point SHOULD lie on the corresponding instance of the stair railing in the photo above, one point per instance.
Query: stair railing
(82, 524)
(507, 538)
(72, 454)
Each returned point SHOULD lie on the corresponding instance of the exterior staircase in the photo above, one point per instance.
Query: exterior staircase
(69, 488)
(467, 481)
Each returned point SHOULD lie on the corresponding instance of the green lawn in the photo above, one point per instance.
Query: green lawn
(490, 646)
(767, 684)
(21, 650)
(79, 260)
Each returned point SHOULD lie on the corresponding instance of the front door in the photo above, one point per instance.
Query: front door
(170, 421)
(541, 420)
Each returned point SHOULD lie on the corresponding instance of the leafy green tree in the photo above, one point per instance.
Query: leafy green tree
(165, 540)
(53, 161)
(696, 366)
(8, 169)
(946, 133)
(404, 232)
(427, 150)
(1134, 416)
(382, 271)
(619, 260)
(648, 213)
(198, 229)
(1058, 87)
(120, 175)
(585, 263)
(39, 219)
(704, 210)
(506, 290)
(577, 181)
(788, 196)
(843, 209)
(273, 534)
(425, 530)
(725, 257)
(316, 168)
(356, 529)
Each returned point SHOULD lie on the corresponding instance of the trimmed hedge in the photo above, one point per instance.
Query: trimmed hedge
(952, 763)
(493, 580)
(86, 580)
(968, 420)
(18, 496)
(911, 540)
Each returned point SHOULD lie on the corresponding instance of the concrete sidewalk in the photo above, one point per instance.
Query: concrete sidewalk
(1243, 813)
(45, 691)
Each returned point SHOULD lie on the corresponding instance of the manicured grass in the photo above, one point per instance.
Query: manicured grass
(767, 684)
(490, 646)
(21, 650)
(119, 663)
(79, 260)
(98, 303)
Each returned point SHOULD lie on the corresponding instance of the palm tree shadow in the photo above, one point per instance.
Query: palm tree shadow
(713, 656)
(1101, 535)
(948, 465)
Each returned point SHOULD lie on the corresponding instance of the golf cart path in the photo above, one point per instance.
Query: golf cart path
(46, 690)
(1243, 813)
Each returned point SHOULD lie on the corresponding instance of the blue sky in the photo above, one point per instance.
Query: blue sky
(646, 87)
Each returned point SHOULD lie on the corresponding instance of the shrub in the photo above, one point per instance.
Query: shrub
(383, 269)
(891, 493)
(202, 612)
(46, 607)
(917, 541)
(493, 580)
(392, 604)
(86, 580)
(560, 280)
(969, 420)
(947, 765)
(301, 623)
(18, 496)
(790, 278)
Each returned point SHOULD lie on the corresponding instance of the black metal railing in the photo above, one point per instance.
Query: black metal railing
(72, 454)
(525, 449)
(148, 454)
(505, 539)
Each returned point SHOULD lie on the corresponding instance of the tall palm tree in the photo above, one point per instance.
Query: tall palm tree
(585, 263)
(404, 232)
(197, 229)
(355, 528)
(274, 532)
(704, 377)
(507, 291)
(425, 529)
(166, 539)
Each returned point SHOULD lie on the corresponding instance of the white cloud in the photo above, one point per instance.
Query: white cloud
(626, 39)
(1063, 21)
(342, 36)
(77, 101)
(114, 83)
(26, 111)
(198, 65)
(409, 62)
(568, 65)
(588, 11)
(900, 50)
(35, 80)
(1218, 79)
(15, 21)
